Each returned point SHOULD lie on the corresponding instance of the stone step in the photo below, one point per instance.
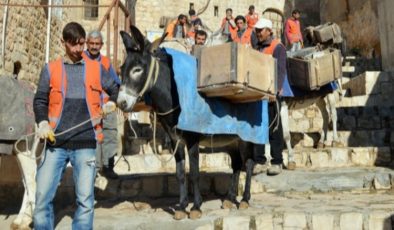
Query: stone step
(341, 157)
(266, 212)
(221, 162)
(354, 138)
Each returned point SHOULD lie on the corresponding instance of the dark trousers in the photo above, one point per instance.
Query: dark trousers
(275, 138)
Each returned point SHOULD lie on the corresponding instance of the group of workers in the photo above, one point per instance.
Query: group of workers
(77, 89)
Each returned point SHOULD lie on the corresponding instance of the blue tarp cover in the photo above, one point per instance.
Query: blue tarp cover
(214, 115)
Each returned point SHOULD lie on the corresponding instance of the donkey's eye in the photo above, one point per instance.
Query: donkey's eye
(136, 72)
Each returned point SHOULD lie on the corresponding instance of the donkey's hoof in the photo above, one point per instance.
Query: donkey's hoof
(243, 205)
(320, 145)
(337, 144)
(179, 215)
(195, 214)
(227, 204)
(291, 165)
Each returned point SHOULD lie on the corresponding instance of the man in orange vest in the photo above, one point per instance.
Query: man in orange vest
(252, 17)
(228, 26)
(293, 31)
(68, 94)
(106, 151)
(177, 28)
(243, 33)
(270, 45)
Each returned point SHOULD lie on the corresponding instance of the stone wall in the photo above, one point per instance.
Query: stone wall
(386, 25)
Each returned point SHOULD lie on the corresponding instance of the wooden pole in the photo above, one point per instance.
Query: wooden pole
(108, 35)
(106, 15)
(116, 29)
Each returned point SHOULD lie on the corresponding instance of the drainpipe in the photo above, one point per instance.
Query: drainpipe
(48, 31)
(5, 16)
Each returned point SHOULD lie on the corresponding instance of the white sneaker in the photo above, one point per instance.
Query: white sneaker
(259, 168)
(274, 170)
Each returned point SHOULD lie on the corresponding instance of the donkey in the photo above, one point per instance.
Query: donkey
(137, 70)
(17, 99)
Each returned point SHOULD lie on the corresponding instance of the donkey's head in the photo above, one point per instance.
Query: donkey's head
(137, 67)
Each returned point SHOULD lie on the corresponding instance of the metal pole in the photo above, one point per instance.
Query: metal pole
(116, 20)
(3, 35)
(48, 32)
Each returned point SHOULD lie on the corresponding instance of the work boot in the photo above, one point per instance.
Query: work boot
(274, 170)
(259, 168)
(108, 171)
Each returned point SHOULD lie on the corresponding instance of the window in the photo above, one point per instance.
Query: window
(91, 9)
(216, 11)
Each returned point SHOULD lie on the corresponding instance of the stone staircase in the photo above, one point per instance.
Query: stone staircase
(332, 188)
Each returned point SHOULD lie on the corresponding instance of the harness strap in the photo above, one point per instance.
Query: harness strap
(153, 72)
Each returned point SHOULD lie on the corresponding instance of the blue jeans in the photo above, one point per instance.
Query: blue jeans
(50, 173)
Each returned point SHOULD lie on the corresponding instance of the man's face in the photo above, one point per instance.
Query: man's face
(263, 34)
(251, 11)
(74, 50)
(94, 46)
(229, 14)
(182, 21)
(240, 23)
(200, 39)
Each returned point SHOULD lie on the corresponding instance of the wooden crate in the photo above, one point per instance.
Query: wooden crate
(312, 73)
(327, 32)
(236, 72)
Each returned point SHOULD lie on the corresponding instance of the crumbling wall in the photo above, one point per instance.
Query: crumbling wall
(358, 20)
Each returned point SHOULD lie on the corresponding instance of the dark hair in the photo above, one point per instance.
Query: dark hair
(229, 9)
(239, 17)
(192, 12)
(73, 32)
(181, 16)
(295, 12)
(201, 32)
(251, 7)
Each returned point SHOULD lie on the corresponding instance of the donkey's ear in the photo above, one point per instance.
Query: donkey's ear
(156, 43)
(128, 42)
(139, 38)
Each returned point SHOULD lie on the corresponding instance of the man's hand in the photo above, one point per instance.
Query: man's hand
(45, 131)
(109, 107)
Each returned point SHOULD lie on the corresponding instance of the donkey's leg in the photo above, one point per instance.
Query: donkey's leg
(321, 104)
(28, 168)
(248, 181)
(334, 118)
(193, 152)
(236, 165)
(181, 177)
(284, 115)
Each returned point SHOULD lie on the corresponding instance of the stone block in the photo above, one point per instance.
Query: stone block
(351, 220)
(310, 113)
(236, 222)
(320, 159)
(308, 141)
(9, 166)
(380, 220)
(264, 222)
(347, 122)
(339, 157)
(294, 221)
(382, 182)
(369, 122)
(205, 183)
(153, 186)
(216, 162)
(362, 157)
(300, 125)
(323, 221)
(173, 186)
(364, 84)
(383, 156)
(296, 114)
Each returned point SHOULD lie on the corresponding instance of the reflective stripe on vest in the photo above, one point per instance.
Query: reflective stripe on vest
(58, 89)
(245, 38)
(270, 49)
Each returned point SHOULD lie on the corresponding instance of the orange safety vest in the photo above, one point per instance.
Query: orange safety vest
(230, 28)
(58, 89)
(251, 20)
(171, 29)
(245, 38)
(270, 49)
(293, 30)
